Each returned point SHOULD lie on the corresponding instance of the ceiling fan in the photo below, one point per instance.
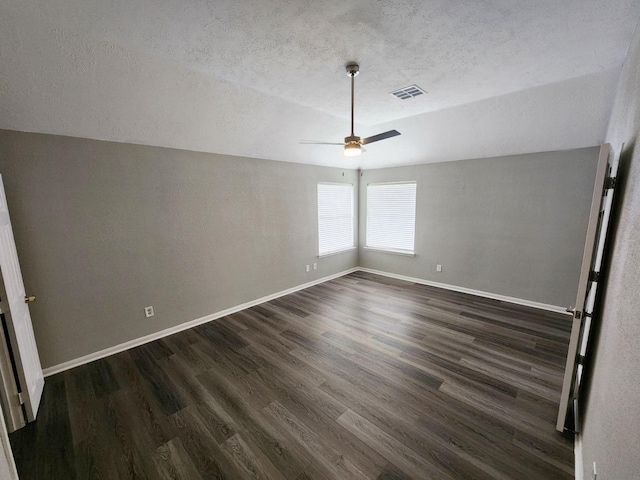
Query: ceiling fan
(353, 144)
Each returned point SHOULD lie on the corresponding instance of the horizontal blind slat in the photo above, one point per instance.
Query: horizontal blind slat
(391, 216)
(335, 217)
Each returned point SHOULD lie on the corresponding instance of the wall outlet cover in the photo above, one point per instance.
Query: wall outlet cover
(148, 312)
(438, 268)
(307, 268)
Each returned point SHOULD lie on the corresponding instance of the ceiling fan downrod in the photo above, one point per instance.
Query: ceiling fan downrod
(352, 70)
(352, 145)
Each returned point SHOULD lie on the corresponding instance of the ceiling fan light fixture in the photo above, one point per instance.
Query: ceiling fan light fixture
(352, 150)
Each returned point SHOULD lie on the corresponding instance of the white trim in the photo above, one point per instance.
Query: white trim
(403, 182)
(6, 454)
(405, 253)
(577, 451)
(337, 183)
(61, 367)
(479, 293)
(336, 252)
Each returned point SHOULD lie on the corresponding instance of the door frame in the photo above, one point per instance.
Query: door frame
(7, 463)
(13, 414)
(568, 397)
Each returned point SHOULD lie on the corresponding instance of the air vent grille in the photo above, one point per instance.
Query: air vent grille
(405, 93)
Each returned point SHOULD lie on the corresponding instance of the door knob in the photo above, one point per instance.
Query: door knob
(29, 299)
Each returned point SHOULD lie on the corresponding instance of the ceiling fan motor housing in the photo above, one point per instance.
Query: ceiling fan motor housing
(352, 139)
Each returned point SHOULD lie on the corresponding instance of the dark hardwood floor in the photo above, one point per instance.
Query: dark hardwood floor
(358, 377)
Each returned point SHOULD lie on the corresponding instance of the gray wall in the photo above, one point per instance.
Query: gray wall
(105, 229)
(511, 226)
(611, 430)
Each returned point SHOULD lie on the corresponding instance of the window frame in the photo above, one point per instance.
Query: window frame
(352, 245)
(395, 251)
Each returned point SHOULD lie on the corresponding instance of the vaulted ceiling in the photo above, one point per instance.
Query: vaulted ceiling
(254, 78)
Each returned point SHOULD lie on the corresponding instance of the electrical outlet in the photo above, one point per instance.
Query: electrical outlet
(438, 268)
(307, 268)
(594, 475)
(315, 266)
(148, 312)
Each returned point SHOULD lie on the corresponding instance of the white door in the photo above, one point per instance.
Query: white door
(18, 319)
(601, 205)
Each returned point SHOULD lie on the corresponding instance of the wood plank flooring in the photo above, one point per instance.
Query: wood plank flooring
(361, 377)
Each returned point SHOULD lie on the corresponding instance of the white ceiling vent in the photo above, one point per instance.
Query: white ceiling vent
(408, 92)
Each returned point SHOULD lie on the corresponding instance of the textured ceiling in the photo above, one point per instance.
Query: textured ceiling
(254, 77)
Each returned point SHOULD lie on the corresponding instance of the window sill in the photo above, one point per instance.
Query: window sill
(404, 253)
(336, 252)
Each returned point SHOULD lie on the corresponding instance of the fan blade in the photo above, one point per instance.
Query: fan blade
(380, 136)
(311, 142)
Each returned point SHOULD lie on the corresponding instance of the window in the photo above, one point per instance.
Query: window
(391, 217)
(335, 217)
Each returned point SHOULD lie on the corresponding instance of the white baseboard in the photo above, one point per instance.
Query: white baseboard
(577, 451)
(198, 321)
(479, 293)
(183, 326)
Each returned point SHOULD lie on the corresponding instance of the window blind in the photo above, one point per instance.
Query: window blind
(391, 216)
(335, 217)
